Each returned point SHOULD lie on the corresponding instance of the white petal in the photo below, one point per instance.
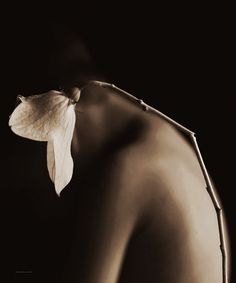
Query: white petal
(36, 116)
(59, 160)
(49, 117)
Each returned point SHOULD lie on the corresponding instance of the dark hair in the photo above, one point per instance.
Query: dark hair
(71, 63)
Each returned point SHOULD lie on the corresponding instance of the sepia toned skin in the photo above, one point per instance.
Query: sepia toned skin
(143, 213)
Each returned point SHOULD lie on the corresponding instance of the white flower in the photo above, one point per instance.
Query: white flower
(49, 117)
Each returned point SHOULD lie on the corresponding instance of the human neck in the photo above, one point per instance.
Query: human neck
(102, 118)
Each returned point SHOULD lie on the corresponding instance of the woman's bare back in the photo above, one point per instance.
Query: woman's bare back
(152, 219)
(140, 209)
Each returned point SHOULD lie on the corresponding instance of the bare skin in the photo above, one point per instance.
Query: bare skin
(143, 211)
(136, 209)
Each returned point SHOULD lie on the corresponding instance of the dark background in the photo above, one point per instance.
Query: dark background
(176, 58)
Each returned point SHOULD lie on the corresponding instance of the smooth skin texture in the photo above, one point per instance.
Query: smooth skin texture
(136, 209)
(144, 214)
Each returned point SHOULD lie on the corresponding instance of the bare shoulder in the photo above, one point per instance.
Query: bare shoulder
(162, 169)
(158, 157)
(138, 170)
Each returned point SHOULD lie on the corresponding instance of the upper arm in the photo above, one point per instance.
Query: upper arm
(109, 224)
(114, 225)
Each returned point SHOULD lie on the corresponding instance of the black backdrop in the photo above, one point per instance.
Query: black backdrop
(178, 59)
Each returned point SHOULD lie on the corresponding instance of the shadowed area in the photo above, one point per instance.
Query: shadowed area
(178, 75)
